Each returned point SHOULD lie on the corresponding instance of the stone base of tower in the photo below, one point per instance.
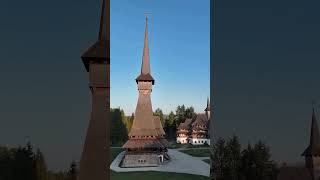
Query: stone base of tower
(144, 159)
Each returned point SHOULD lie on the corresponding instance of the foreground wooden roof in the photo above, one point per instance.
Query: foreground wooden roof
(100, 50)
(314, 146)
(294, 173)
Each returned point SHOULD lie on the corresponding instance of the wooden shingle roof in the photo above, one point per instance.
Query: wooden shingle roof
(100, 50)
(146, 143)
(294, 173)
(145, 74)
(186, 124)
(314, 146)
(201, 120)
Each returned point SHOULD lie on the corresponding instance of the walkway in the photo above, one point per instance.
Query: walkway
(179, 163)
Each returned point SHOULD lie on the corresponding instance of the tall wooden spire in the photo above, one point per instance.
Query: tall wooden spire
(207, 110)
(100, 50)
(314, 145)
(208, 105)
(145, 74)
(145, 125)
(145, 68)
(95, 154)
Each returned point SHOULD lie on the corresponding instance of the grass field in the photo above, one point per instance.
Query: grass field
(150, 175)
(174, 145)
(197, 152)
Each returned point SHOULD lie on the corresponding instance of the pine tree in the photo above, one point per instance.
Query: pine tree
(6, 161)
(72, 173)
(233, 158)
(189, 113)
(118, 134)
(40, 166)
(172, 128)
(23, 164)
(180, 115)
(218, 159)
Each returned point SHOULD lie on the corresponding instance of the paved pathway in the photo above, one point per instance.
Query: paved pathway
(203, 158)
(179, 163)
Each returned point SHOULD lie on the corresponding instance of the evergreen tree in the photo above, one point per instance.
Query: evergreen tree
(129, 122)
(171, 127)
(23, 164)
(233, 158)
(6, 162)
(218, 159)
(256, 163)
(180, 115)
(72, 173)
(40, 166)
(118, 131)
(248, 163)
(264, 166)
(189, 113)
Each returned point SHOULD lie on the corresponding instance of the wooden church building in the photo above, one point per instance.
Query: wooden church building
(147, 145)
(195, 131)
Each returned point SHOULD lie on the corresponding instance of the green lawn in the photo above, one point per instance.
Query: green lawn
(174, 145)
(197, 152)
(114, 152)
(150, 175)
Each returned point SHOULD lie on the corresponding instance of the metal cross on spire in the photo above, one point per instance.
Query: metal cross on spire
(147, 14)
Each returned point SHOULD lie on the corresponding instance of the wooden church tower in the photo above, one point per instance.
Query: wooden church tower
(94, 159)
(312, 153)
(146, 145)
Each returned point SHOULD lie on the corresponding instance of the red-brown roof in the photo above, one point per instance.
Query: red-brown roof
(146, 143)
(154, 128)
(145, 77)
(294, 173)
(201, 120)
(185, 125)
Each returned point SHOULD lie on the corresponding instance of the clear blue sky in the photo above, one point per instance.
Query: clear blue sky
(179, 52)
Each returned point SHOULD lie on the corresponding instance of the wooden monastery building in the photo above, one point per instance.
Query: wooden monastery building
(195, 131)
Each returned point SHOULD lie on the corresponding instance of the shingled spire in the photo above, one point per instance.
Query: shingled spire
(208, 105)
(145, 68)
(207, 110)
(95, 153)
(145, 74)
(146, 137)
(314, 147)
(100, 50)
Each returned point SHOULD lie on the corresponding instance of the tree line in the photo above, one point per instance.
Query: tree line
(121, 124)
(230, 162)
(23, 163)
